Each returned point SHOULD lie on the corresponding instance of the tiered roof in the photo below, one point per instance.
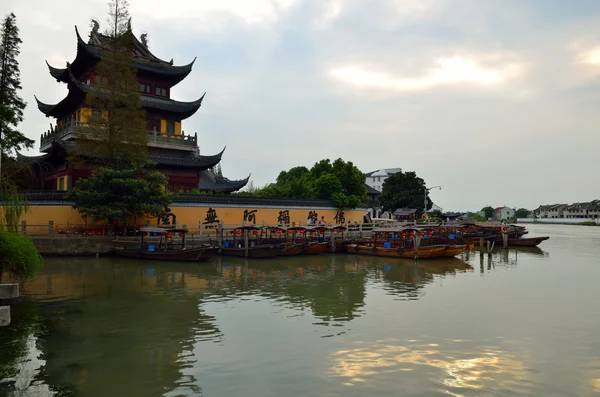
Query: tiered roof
(78, 90)
(145, 61)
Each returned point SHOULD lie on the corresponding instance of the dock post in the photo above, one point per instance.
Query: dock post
(220, 231)
(481, 245)
(246, 243)
(417, 240)
(505, 240)
(332, 242)
(489, 251)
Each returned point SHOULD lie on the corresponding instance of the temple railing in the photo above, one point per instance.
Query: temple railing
(69, 130)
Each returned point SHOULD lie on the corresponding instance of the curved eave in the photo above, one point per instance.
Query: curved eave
(211, 161)
(182, 109)
(149, 64)
(76, 94)
(57, 73)
(44, 107)
(220, 184)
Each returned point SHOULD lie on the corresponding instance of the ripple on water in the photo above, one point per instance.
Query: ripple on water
(457, 372)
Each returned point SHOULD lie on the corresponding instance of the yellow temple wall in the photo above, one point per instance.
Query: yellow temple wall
(199, 216)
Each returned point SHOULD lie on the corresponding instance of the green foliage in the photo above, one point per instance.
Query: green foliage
(341, 182)
(403, 190)
(437, 214)
(11, 105)
(117, 131)
(19, 255)
(489, 212)
(117, 195)
(12, 208)
(522, 213)
(479, 218)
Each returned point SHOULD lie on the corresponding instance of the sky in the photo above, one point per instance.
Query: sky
(497, 101)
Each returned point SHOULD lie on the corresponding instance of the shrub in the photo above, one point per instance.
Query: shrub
(19, 255)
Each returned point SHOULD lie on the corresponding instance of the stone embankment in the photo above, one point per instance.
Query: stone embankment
(74, 245)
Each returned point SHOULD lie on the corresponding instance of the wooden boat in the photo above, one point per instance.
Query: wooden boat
(526, 242)
(167, 248)
(395, 252)
(257, 251)
(236, 247)
(314, 247)
(290, 249)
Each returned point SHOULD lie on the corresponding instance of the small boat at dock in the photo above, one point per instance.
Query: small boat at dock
(169, 247)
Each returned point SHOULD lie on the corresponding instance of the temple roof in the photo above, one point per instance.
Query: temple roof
(210, 181)
(162, 157)
(180, 158)
(145, 61)
(77, 91)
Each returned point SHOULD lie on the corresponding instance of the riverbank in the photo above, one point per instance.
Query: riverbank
(560, 221)
(74, 245)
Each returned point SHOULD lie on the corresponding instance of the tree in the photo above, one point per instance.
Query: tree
(522, 213)
(488, 211)
(119, 195)
(341, 182)
(116, 134)
(11, 105)
(403, 190)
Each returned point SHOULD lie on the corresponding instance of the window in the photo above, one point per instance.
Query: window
(161, 91)
(61, 183)
(145, 88)
(170, 127)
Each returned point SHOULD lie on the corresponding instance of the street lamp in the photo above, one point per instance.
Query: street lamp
(425, 198)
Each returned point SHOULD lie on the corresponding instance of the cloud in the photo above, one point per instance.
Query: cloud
(451, 70)
(589, 57)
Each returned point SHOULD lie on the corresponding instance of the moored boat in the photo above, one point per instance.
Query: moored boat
(170, 247)
(527, 241)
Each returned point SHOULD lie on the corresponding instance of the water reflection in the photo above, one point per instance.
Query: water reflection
(120, 327)
(457, 369)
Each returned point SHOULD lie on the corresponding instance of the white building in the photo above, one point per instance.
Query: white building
(375, 179)
(501, 213)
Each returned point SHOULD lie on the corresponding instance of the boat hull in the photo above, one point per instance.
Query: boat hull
(314, 248)
(396, 252)
(290, 250)
(526, 242)
(264, 251)
(199, 254)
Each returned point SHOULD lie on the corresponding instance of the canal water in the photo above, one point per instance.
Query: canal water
(519, 323)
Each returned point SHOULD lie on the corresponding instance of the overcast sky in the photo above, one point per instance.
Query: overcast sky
(497, 101)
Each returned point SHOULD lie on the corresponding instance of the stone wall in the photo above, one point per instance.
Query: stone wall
(60, 245)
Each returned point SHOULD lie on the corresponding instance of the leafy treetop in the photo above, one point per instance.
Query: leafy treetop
(341, 182)
(403, 190)
(118, 195)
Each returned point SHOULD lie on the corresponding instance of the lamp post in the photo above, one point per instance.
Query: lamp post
(425, 198)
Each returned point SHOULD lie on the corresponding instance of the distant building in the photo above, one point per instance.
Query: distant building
(588, 210)
(405, 214)
(435, 208)
(375, 179)
(550, 211)
(501, 213)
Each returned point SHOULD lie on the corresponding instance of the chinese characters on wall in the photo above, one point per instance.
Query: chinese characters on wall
(211, 221)
(250, 216)
(284, 217)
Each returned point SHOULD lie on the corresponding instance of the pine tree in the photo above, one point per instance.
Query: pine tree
(116, 135)
(11, 105)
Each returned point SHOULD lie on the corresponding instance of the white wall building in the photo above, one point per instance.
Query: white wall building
(375, 179)
(501, 213)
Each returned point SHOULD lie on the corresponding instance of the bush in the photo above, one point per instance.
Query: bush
(19, 255)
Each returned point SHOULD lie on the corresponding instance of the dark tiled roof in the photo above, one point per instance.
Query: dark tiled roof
(77, 91)
(180, 158)
(162, 157)
(204, 199)
(147, 62)
(212, 182)
(371, 190)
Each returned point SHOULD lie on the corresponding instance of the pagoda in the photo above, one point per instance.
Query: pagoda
(175, 153)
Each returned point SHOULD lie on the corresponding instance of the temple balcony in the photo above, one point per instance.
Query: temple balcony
(70, 131)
